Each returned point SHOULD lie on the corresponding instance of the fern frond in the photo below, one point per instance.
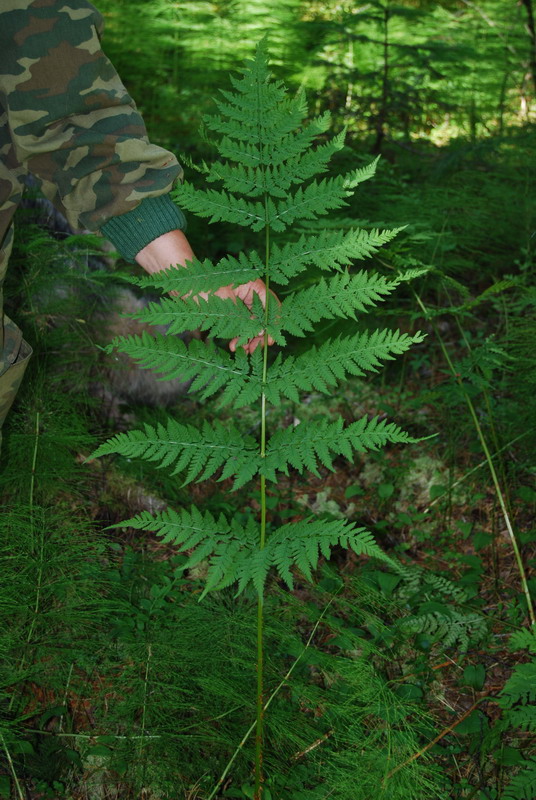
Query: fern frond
(273, 115)
(220, 206)
(198, 452)
(250, 155)
(293, 145)
(232, 550)
(416, 579)
(311, 162)
(210, 368)
(253, 179)
(222, 317)
(323, 367)
(326, 250)
(523, 640)
(341, 296)
(315, 200)
(523, 785)
(357, 176)
(203, 276)
(184, 528)
(520, 686)
(450, 628)
(313, 443)
(250, 181)
(300, 544)
(523, 717)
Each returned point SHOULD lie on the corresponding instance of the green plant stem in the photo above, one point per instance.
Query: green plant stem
(268, 702)
(34, 459)
(41, 550)
(145, 693)
(491, 465)
(491, 420)
(259, 723)
(12, 769)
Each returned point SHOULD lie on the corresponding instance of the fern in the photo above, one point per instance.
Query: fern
(450, 627)
(523, 639)
(200, 453)
(266, 181)
(204, 273)
(520, 687)
(308, 444)
(523, 786)
(324, 367)
(232, 549)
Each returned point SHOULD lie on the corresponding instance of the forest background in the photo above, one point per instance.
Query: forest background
(417, 683)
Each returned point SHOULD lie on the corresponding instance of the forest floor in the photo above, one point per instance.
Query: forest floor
(89, 672)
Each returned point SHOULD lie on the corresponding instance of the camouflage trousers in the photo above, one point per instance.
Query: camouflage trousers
(14, 351)
(14, 356)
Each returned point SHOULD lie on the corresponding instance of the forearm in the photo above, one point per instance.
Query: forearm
(170, 249)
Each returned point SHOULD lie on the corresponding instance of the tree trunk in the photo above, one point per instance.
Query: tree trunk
(532, 36)
(382, 111)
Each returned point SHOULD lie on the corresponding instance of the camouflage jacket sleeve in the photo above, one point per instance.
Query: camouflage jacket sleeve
(75, 127)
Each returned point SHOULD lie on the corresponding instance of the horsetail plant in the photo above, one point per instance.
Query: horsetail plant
(266, 181)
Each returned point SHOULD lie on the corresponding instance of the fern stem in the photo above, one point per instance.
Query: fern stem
(259, 723)
(491, 465)
(276, 691)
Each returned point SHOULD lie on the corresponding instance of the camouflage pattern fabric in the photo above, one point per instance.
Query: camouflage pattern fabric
(14, 358)
(66, 118)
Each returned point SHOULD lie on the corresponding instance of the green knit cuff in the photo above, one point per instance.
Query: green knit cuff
(131, 232)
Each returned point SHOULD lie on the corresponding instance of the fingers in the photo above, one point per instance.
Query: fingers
(250, 345)
(244, 292)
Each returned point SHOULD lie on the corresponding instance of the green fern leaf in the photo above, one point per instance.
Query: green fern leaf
(293, 145)
(184, 528)
(313, 443)
(250, 181)
(250, 155)
(326, 250)
(254, 179)
(341, 296)
(416, 579)
(309, 203)
(203, 276)
(201, 453)
(222, 317)
(300, 544)
(523, 717)
(523, 640)
(323, 367)
(210, 368)
(450, 627)
(520, 686)
(265, 176)
(357, 176)
(523, 785)
(232, 551)
(220, 206)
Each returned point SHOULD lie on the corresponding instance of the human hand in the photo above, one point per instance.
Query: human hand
(174, 248)
(245, 292)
